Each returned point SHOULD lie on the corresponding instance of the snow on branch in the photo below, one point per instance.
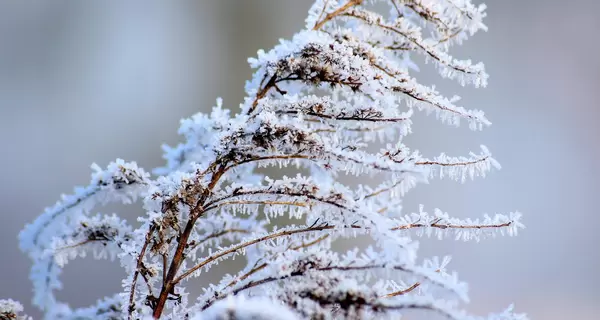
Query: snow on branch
(106, 308)
(319, 60)
(103, 235)
(448, 66)
(459, 168)
(442, 225)
(120, 182)
(10, 310)
(286, 269)
(242, 308)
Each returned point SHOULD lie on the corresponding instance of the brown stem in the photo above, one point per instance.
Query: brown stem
(248, 274)
(332, 15)
(301, 273)
(346, 118)
(140, 262)
(173, 268)
(405, 291)
(179, 256)
(452, 226)
(264, 265)
(263, 92)
(284, 233)
(216, 235)
(451, 164)
(272, 83)
(415, 41)
(246, 244)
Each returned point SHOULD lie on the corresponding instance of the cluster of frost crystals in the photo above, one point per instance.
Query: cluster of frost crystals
(200, 132)
(65, 231)
(10, 310)
(107, 308)
(102, 235)
(119, 182)
(240, 308)
(334, 101)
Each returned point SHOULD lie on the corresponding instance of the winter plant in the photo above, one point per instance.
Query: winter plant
(318, 104)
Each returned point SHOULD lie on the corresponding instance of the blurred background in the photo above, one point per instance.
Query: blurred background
(84, 82)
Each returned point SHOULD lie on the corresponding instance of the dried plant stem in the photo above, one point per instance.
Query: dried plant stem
(283, 233)
(179, 256)
(257, 283)
(244, 245)
(405, 291)
(140, 262)
(332, 15)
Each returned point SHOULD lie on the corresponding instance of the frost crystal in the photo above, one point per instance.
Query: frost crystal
(10, 309)
(321, 104)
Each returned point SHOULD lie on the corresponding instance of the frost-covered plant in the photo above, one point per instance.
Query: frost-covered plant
(318, 103)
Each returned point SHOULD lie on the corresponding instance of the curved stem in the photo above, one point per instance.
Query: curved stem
(140, 262)
(332, 15)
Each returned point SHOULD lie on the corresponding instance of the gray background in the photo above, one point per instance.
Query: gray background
(84, 82)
